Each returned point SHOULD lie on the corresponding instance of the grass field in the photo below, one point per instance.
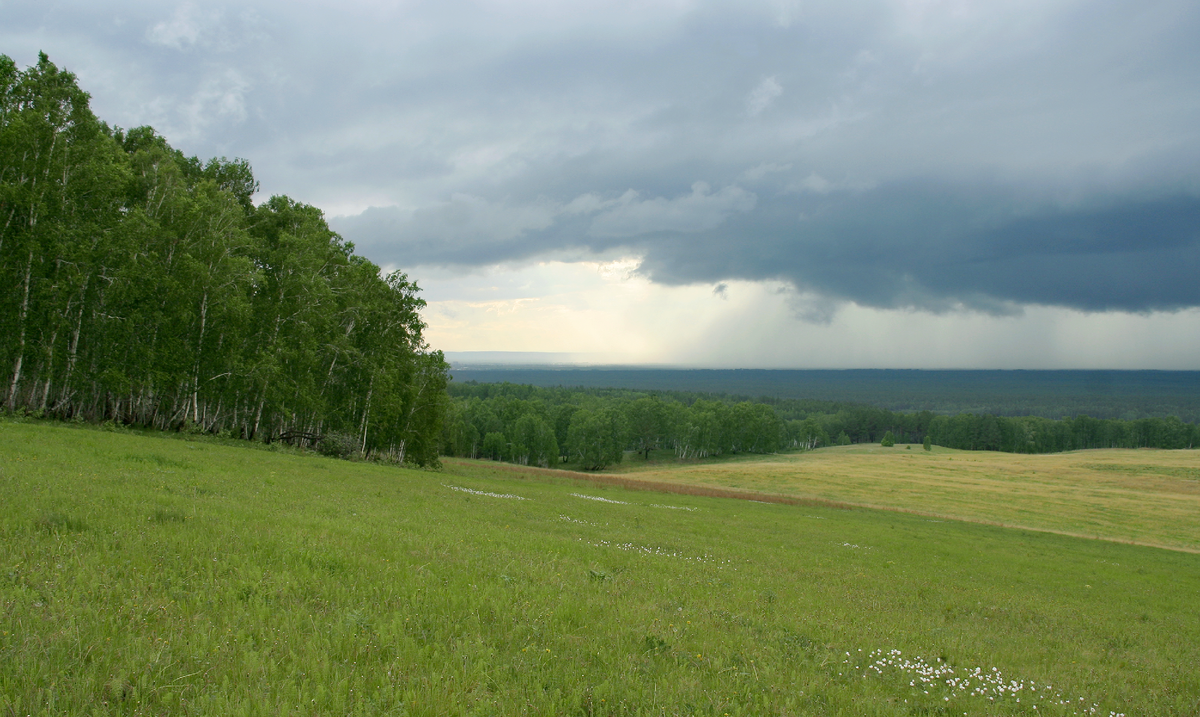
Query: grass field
(151, 575)
(1143, 496)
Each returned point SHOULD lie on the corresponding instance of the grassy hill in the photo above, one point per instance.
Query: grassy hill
(1142, 496)
(150, 575)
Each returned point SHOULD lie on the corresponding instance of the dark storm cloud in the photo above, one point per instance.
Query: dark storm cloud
(929, 246)
(920, 244)
(932, 155)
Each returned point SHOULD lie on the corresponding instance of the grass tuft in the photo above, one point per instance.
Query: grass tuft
(56, 523)
(167, 516)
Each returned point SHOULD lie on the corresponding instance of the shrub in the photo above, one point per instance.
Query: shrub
(338, 445)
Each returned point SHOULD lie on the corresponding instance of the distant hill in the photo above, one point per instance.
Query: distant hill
(1052, 394)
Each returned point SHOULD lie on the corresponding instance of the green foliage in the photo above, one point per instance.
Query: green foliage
(1126, 395)
(928, 443)
(533, 441)
(648, 422)
(640, 423)
(596, 438)
(696, 426)
(338, 445)
(494, 446)
(888, 440)
(143, 287)
(1030, 434)
(807, 434)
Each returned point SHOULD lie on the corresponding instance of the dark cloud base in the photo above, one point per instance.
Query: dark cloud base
(917, 244)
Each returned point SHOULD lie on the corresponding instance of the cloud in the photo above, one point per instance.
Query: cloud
(474, 231)
(580, 309)
(219, 98)
(210, 27)
(183, 29)
(812, 183)
(925, 156)
(762, 96)
(756, 173)
(919, 244)
(928, 246)
(690, 213)
(466, 230)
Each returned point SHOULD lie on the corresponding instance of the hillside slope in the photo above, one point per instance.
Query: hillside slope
(148, 575)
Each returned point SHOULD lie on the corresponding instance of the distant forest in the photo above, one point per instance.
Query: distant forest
(1126, 395)
(595, 427)
(141, 286)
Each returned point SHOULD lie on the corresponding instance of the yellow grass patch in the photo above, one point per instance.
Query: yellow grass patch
(1141, 496)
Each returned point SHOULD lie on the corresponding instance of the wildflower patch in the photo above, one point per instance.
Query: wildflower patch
(484, 492)
(942, 682)
(598, 498)
(661, 552)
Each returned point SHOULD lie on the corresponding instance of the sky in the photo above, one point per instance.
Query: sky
(876, 184)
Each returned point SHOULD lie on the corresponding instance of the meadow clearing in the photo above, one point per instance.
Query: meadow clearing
(1145, 496)
(143, 574)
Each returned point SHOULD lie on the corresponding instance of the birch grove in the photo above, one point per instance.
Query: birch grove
(144, 287)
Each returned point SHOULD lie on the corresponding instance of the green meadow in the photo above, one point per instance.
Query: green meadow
(142, 574)
(1147, 496)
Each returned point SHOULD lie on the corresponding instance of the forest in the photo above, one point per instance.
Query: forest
(594, 428)
(144, 287)
(1047, 393)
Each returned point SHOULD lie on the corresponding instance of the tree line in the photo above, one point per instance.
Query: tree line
(1046, 393)
(142, 286)
(595, 431)
(593, 428)
(1033, 434)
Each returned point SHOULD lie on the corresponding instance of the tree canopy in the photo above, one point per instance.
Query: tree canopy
(143, 286)
(593, 428)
